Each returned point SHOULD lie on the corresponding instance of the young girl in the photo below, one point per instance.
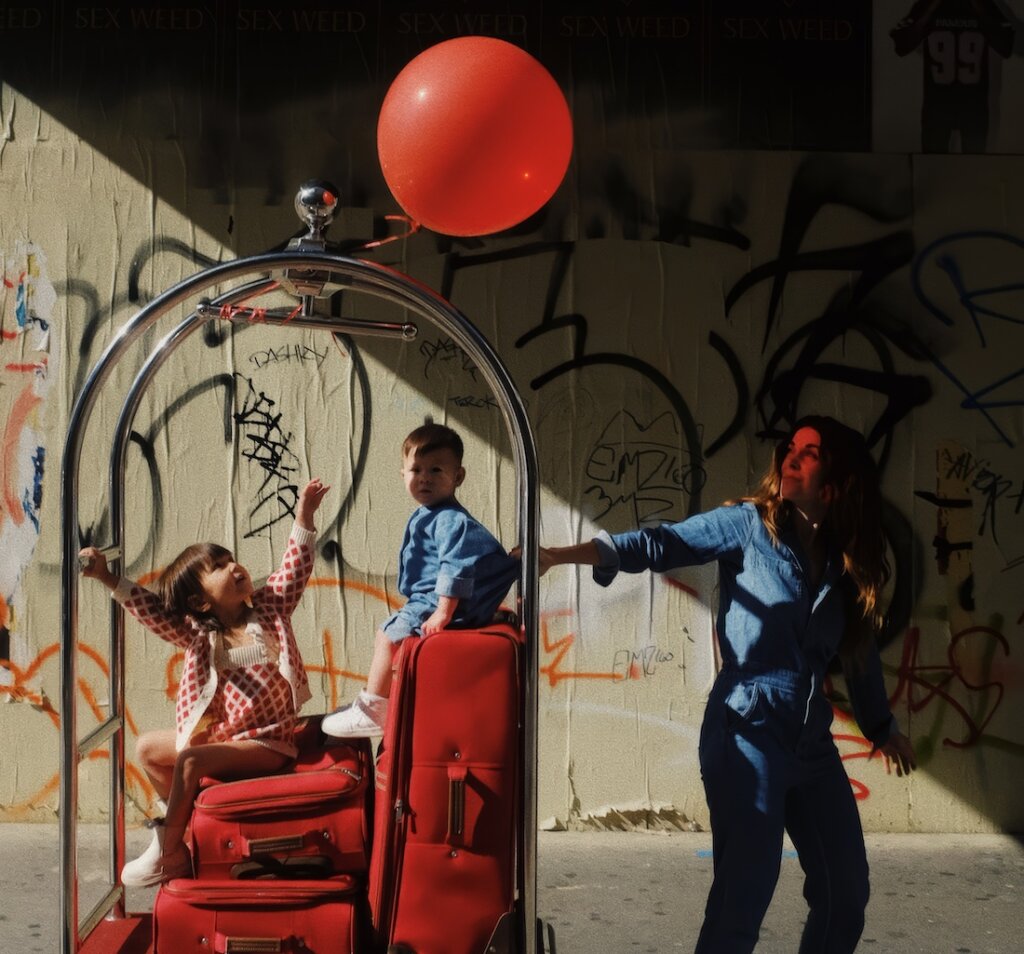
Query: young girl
(242, 683)
(801, 569)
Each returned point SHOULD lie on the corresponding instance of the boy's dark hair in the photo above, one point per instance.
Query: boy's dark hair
(179, 585)
(433, 437)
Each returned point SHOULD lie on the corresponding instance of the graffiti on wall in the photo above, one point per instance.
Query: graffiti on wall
(822, 318)
(30, 362)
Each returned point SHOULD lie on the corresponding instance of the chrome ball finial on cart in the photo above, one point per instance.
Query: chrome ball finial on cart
(316, 202)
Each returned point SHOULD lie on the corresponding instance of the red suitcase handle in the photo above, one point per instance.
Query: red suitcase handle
(456, 803)
(222, 944)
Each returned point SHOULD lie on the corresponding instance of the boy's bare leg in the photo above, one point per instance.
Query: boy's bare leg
(367, 714)
(382, 666)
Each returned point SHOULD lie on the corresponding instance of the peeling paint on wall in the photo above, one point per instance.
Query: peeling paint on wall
(636, 816)
(30, 362)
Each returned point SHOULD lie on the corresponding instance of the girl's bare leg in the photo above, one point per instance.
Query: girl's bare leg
(221, 760)
(156, 754)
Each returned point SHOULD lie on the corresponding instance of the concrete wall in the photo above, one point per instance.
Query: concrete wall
(663, 315)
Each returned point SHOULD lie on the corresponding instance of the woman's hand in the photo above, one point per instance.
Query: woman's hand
(545, 560)
(547, 557)
(309, 502)
(899, 750)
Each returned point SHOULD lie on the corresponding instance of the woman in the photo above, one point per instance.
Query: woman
(801, 570)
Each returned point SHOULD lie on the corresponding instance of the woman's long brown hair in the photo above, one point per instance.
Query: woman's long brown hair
(853, 520)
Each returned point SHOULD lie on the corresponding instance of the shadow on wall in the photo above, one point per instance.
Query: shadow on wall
(666, 316)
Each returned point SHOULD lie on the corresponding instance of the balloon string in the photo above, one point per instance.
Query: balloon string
(251, 314)
(255, 315)
(413, 228)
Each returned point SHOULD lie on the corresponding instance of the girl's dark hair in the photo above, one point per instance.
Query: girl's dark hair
(180, 587)
(853, 519)
(431, 437)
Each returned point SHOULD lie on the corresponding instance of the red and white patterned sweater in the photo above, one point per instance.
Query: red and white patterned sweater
(251, 704)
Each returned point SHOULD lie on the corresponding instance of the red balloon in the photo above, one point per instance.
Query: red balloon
(474, 136)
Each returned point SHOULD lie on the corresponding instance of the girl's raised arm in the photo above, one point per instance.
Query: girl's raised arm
(286, 584)
(143, 604)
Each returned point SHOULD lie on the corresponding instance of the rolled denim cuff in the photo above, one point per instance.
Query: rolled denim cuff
(460, 587)
(608, 568)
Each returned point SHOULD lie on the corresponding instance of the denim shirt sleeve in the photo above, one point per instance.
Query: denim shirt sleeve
(868, 697)
(714, 535)
(608, 568)
(461, 541)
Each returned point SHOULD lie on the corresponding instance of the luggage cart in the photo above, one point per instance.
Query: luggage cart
(307, 270)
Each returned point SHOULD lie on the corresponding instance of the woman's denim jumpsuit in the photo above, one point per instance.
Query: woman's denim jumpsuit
(766, 753)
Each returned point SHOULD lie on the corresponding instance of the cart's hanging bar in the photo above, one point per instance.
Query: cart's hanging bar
(283, 316)
(305, 270)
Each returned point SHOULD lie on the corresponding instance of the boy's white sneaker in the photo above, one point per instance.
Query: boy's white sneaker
(365, 717)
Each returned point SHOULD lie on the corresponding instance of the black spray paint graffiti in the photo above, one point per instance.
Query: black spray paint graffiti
(444, 351)
(267, 445)
(803, 355)
(816, 184)
(641, 663)
(98, 532)
(444, 358)
(820, 182)
(297, 352)
(987, 303)
(993, 487)
(640, 467)
(576, 325)
(215, 334)
(469, 400)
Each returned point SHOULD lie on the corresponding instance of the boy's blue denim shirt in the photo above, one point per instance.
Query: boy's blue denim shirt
(769, 618)
(447, 552)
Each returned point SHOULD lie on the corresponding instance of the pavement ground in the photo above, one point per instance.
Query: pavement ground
(625, 892)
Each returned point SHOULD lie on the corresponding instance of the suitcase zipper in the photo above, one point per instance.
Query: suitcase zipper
(288, 800)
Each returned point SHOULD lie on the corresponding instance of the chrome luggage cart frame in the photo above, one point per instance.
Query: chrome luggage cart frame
(307, 270)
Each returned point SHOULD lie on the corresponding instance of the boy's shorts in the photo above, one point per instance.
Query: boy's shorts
(406, 622)
(409, 620)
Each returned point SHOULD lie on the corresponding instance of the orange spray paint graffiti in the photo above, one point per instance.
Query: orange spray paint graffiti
(24, 679)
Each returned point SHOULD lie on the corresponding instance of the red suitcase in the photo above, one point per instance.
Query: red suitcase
(232, 917)
(310, 822)
(442, 875)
